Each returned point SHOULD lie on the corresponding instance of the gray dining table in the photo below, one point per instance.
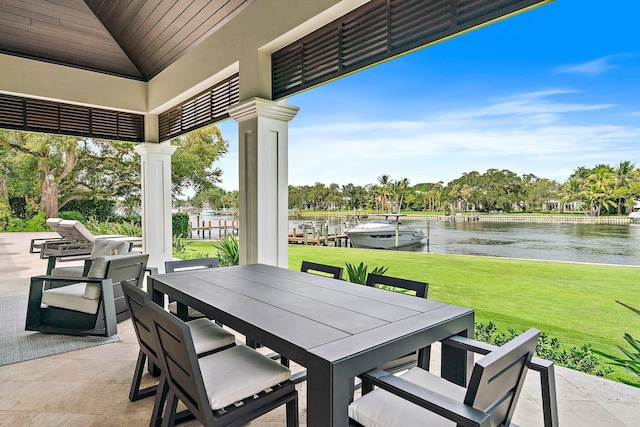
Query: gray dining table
(335, 329)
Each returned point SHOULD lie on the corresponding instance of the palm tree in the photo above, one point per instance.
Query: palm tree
(624, 176)
(572, 192)
(400, 190)
(600, 188)
(385, 183)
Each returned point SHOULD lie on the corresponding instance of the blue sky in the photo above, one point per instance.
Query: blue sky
(543, 92)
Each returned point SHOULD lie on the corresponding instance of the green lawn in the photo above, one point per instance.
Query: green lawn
(573, 302)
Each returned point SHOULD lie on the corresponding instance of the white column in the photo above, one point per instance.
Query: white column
(263, 166)
(156, 201)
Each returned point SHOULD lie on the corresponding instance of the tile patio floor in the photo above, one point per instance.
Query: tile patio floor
(90, 387)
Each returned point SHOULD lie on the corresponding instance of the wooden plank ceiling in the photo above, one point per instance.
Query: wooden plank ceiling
(129, 38)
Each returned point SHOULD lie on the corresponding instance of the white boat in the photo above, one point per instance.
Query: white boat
(635, 212)
(208, 212)
(388, 233)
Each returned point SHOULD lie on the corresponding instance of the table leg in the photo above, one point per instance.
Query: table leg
(328, 396)
(457, 364)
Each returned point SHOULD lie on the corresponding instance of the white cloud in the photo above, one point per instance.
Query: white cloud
(591, 68)
(526, 133)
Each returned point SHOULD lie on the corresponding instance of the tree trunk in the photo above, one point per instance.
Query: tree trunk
(49, 198)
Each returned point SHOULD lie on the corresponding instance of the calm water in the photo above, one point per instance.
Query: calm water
(607, 244)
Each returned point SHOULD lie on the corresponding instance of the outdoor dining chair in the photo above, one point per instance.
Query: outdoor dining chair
(227, 388)
(207, 339)
(188, 264)
(421, 398)
(323, 269)
(405, 285)
(91, 305)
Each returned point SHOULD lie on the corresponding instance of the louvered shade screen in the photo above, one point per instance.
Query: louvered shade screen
(376, 31)
(36, 115)
(208, 107)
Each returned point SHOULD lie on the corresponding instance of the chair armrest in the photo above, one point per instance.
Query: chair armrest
(543, 366)
(444, 406)
(58, 281)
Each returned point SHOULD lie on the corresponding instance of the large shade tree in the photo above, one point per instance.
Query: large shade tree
(49, 171)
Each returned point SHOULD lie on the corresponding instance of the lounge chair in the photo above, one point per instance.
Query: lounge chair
(37, 244)
(75, 239)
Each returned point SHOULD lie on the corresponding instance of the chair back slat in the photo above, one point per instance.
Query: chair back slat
(137, 300)
(179, 361)
(128, 267)
(420, 288)
(497, 378)
(325, 270)
(191, 264)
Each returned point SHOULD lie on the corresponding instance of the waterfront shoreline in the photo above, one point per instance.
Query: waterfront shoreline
(474, 217)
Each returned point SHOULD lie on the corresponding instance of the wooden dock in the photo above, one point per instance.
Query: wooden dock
(321, 238)
(223, 227)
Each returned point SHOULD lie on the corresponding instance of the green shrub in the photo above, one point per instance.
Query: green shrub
(101, 209)
(359, 274)
(72, 215)
(581, 359)
(631, 360)
(18, 207)
(180, 224)
(228, 251)
(37, 223)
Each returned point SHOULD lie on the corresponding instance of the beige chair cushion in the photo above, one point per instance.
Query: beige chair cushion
(92, 291)
(237, 373)
(71, 297)
(383, 409)
(104, 247)
(192, 312)
(99, 267)
(207, 336)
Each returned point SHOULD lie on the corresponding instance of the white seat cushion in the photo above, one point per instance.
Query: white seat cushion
(237, 373)
(71, 297)
(192, 312)
(208, 336)
(383, 409)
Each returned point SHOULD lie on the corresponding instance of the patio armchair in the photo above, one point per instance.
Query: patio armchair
(227, 388)
(323, 269)
(421, 398)
(188, 264)
(207, 339)
(91, 305)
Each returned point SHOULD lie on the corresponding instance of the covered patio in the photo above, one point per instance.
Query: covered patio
(90, 386)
